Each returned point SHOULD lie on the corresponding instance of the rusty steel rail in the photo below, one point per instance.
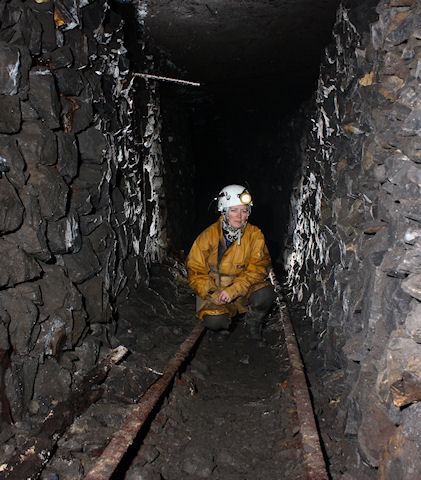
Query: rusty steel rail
(312, 451)
(121, 441)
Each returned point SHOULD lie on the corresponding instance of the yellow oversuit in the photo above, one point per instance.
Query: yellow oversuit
(238, 269)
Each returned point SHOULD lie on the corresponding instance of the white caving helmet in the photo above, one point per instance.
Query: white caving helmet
(232, 196)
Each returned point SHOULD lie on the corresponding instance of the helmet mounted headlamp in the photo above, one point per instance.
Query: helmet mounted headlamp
(245, 198)
(233, 195)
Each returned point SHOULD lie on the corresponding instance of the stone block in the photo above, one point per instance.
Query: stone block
(412, 259)
(102, 239)
(44, 13)
(407, 390)
(89, 223)
(82, 265)
(19, 383)
(79, 326)
(9, 69)
(401, 358)
(80, 201)
(400, 459)
(374, 432)
(92, 145)
(411, 146)
(355, 348)
(412, 285)
(28, 111)
(15, 265)
(10, 17)
(52, 191)
(69, 14)
(393, 263)
(56, 332)
(11, 208)
(26, 62)
(78, 43)
(37, 143)
(92, 291)
(10, 114)
(31, 291)
(43, 96)
(31, 236)
(411, 419)
(88, 354)
(58, 291)
(413, 321)
(92, 17)
(61, 58)
(69, 82)
(413, 174)
(52, 383)
(90, 178)
(411, 208)
(394, 304)
(23, 318)
(63, 235)
(83, 115)
(32, 31)
(68, 157)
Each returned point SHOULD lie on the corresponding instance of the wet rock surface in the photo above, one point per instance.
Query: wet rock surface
(67, 249)
(354, 259)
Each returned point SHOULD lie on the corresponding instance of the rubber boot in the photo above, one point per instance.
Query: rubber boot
(259, 304)
(217, 323)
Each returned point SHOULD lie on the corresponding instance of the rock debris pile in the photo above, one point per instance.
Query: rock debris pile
(356, 239)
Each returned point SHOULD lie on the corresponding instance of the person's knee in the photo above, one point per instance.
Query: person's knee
(262, 299)
(216, 322)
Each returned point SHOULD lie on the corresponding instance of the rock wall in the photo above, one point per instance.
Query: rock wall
(79, 210)
(357, 235)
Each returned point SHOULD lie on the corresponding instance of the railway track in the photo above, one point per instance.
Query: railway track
(312, 455)
(223, 407)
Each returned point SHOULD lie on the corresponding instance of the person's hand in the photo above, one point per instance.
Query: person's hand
(222, 297)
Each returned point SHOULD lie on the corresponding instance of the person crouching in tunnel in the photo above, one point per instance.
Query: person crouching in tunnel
(228, 267)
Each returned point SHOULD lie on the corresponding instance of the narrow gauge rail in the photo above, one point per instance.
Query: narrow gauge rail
(123, 439)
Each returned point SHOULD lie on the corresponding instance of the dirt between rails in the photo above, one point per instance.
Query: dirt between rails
(230, 414)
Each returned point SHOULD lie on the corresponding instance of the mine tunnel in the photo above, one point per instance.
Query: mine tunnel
(120, 122)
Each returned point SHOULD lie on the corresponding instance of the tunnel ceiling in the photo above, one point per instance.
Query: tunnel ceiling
(233, 43)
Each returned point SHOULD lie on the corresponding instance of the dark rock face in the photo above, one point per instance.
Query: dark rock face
(9, 69)
(12, 209)
(355, 257)
(66, 239)
(43, 96)
(10, 123)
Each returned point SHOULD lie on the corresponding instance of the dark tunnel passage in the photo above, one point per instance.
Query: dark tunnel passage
(108, 175)
(256, 64)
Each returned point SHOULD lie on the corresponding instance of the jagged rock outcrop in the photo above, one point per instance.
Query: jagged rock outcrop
(74, 228)
(356, 231)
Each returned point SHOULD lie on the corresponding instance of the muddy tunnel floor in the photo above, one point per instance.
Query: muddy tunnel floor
(229, 414)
